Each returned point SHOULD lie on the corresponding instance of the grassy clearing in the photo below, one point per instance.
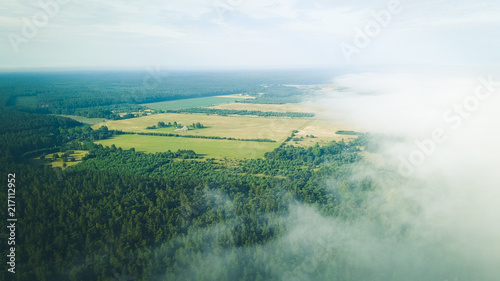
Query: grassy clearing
(208, 148)
(243, 127)
(189, 103)
(30, 101)
(78, 155)
(85, 120)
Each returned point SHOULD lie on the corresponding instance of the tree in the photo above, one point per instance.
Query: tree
(103, 129)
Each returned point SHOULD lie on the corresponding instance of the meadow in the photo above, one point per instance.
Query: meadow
(85, 120)
(206, 147)
(243, 127)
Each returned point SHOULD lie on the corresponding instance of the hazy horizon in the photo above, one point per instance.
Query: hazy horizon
(200, 34)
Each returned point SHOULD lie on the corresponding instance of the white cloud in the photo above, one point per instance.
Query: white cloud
(8, 22)
(449, 14)
(142, 30)
(305, 31)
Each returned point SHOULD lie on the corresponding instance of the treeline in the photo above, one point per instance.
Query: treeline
(298, 162)
(25, 135)
(349, 133)
(201, 137)
(278, 94)
(110, 112)
(162, 124)
(226, 112)
(22, 132)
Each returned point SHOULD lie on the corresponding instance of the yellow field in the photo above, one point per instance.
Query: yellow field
(323, 131)
(242, 127)
(238, 127)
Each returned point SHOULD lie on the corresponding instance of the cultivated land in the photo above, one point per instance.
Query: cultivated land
(236, 126)
(323, 132)
(207, 147)
(189, 103)
(323, 129)
(242, 127)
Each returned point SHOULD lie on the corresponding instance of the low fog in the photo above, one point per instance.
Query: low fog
(447, 152)
(435, 213)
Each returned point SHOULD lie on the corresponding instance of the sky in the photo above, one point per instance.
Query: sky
(247, 33)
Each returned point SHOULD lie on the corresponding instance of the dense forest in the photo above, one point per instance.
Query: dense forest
(176, 215)
(278, 94)
(153, 214)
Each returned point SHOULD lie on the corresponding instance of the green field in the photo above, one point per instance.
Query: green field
(189, 103)
(85, 120)
(242, 127)
(206, 147)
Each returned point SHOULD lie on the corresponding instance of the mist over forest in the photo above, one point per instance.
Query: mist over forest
(411, 195)
(247, 140)
(441, 213)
